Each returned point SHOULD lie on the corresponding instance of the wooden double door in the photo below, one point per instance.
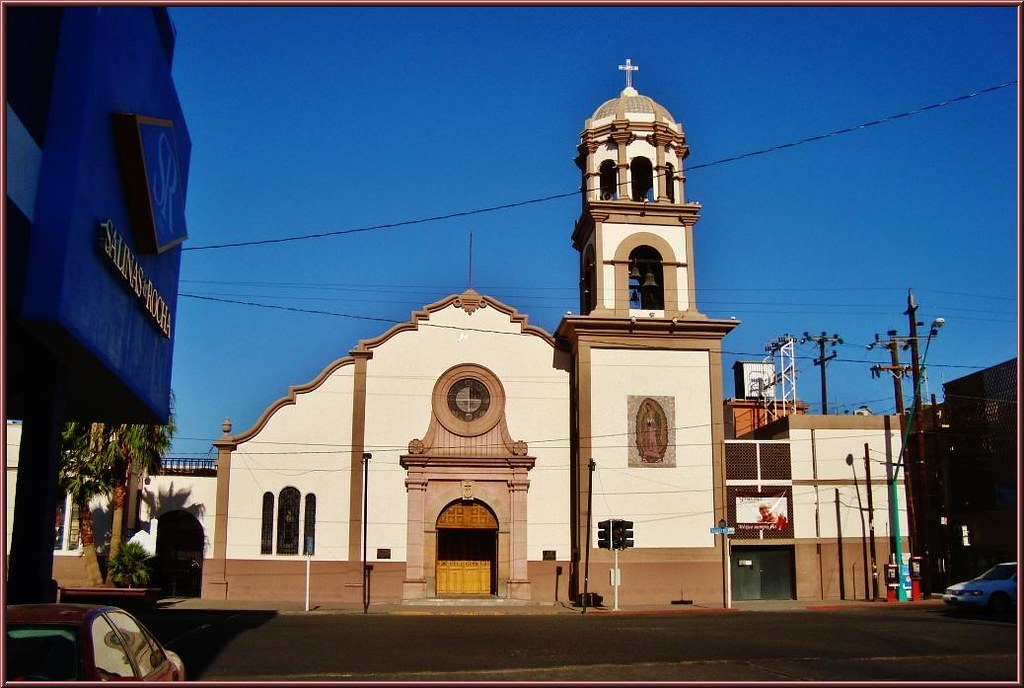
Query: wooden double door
(466, 552)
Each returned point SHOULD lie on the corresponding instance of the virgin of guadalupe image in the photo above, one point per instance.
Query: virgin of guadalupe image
(651, 433)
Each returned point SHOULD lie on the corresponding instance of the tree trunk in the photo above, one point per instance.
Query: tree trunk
(116, 526)
(85, 529)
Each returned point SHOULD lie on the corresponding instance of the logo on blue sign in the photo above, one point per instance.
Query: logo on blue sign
(156, 198)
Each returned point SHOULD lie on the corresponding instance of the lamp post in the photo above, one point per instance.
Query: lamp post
(863, 530)
(591, 465)
(366, 501)
(871, 523)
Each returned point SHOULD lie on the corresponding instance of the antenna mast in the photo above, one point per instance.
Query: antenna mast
(784, 377)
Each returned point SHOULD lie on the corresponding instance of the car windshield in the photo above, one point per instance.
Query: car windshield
(1000, 572)
(41, 653)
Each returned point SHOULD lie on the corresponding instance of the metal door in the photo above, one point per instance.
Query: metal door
(762, 573)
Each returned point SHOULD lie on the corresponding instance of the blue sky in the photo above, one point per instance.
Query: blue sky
(323, 119)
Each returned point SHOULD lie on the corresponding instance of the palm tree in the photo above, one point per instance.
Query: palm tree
(83, 475)
(132, 448)
(131, 566)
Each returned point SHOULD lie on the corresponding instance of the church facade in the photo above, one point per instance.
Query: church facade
(467, 453)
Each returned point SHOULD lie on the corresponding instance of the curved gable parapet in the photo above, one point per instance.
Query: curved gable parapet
(290, 398)
(470, 301)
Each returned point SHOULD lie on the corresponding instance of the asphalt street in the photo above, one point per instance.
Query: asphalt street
(752, 643)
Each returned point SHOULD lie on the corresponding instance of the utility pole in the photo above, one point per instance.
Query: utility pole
(821, 340)
(920, 481)
(898, 371)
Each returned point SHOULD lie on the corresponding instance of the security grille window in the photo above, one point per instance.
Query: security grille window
(775, 463)
(288, 521)
(73, 527)
(741, 461)
(267, 535)
(309, 525)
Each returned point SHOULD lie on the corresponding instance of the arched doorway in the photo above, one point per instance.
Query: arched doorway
(467, 550)
(179, 554)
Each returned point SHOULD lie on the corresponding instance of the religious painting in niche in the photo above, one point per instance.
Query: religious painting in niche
(651, 431)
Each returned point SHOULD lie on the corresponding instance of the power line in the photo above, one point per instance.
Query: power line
(518, 204)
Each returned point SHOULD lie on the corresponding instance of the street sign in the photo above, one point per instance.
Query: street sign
(716, 530)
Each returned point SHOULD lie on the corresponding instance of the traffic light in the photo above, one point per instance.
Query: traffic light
(625, 534)
(604, 534)
(622, 533)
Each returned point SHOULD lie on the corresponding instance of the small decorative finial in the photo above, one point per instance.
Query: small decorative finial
(226, 426)
(628, 68)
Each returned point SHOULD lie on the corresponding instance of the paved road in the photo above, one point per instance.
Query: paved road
(867, 643)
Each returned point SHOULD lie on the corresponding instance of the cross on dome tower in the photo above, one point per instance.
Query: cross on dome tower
(643, 356)
(629, 68)
(635, 232)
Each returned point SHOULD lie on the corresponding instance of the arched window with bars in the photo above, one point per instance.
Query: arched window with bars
(267, 532)
(309, 525)
(288, 521)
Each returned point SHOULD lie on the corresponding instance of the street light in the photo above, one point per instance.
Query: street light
(863, 530)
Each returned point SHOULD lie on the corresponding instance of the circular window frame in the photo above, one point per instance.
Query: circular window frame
(477, 426)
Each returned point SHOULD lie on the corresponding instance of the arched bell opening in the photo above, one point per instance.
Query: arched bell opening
(642, 174)
(588, 281)
(467, 550)
(646, 279)
(609, 181)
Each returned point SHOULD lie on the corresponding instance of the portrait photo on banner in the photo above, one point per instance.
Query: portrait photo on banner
(762, 509)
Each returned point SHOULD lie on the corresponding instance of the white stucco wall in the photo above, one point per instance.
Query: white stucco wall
(669, 507)
(196, 495)
(400, 380)
(821, 454)
(613, 234)
(305, 445)
(13, 446)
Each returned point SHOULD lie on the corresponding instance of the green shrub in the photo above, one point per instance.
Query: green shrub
(130, 567)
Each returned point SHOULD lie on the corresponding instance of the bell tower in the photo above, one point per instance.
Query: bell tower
(648, 433)
(635, 231)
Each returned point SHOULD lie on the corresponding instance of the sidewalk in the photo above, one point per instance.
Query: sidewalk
(495, 606)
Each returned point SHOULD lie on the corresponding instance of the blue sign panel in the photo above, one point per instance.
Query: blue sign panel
(104, 256)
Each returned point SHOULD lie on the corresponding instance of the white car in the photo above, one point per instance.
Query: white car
(996, 589)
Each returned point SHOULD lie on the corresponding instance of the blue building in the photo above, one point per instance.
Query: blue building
(97, 170)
